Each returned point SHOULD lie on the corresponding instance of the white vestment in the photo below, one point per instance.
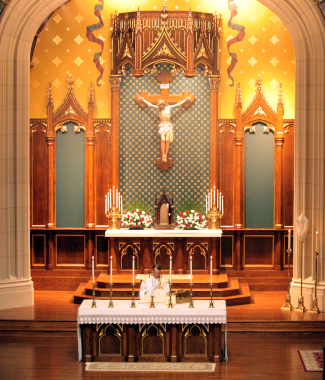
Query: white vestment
(154, 287)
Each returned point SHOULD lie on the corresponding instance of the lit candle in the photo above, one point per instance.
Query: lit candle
(218, 199)
(170, 269)
(214, 196)
(133, 270)
(113, 200)
(211, 199)
(191, 269)
(222, 206)
(110, 198)
(105, 204)
(116, 202)
(93, 268)
(289, 239)
(316, 241)
(121, 205)
(111, 269)
(211, 269)
(206, 204)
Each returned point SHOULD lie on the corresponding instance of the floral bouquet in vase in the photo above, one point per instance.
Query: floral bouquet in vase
(190, 220)
(136, 220)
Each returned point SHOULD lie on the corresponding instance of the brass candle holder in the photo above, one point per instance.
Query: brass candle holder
(114, 218)
(132, 302)
(301, 307)
(94, 302)
(214, 217)
(111, 295)
(191, 306)
(170, 303)
(315, 308)
(287, 305)
(152, 304)
(211, 306)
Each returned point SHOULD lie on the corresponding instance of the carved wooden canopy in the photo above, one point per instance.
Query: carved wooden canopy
(184, 39)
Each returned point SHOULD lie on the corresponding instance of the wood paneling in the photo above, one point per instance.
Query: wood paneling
(102, 171)
(227, 168)
(288, 179)
(38, 154)
(38, 250)
(226, 250)
(258, 250)
(70, 250)
(102, 251)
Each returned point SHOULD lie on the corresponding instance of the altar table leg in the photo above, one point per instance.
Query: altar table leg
(174, 357)
(131, 336)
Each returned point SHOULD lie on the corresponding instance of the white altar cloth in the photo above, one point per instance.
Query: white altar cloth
(123, 314)
(204, 232)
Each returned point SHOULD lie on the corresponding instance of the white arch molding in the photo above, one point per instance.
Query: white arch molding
(18, 24)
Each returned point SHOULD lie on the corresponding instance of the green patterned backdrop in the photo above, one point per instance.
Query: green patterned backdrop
(189, 177)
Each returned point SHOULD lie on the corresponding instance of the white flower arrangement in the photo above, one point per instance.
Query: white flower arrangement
(190, 220)
(136, 220)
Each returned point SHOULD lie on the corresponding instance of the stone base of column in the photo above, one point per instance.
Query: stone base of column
(16, 293)
(308, 292)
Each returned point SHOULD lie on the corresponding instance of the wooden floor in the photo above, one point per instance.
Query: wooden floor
(40, 342)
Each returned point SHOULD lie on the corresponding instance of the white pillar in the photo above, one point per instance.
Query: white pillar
(20, 20)
(306, 26)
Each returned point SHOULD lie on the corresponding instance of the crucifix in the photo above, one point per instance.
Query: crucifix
(164, 102)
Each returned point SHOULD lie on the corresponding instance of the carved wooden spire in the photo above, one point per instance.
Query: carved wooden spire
(138, 27)
(190, 21)
(91, 95)
(280, 99)
(49, 97)
(164, 16)
(70, 81)
(239, 102)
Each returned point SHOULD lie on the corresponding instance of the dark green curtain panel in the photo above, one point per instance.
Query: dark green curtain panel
(259, 178)
(70, 178)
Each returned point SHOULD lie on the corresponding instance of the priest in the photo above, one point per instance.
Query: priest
(156, 285)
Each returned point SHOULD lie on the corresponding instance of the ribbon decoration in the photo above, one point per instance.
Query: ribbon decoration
(92, 38)
(240, 36)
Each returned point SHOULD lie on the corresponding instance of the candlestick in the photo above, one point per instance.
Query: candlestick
(113, 196)
(211, 269)
(191, 306)
(94, 302)
(211, 306)
(110, 268)
(132, 302)
(191, 269)
(206, 204)
(93, 268)
(133, 269)
(289, 239)
(217, 198)
(110, 198)
(170, 303)
(170, 268)
(214, 196)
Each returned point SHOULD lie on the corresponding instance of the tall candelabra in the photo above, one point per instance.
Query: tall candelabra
(214, 209)
(287, 305)
(211, 306)
(114, 208)
(315, 308)
(301, 306)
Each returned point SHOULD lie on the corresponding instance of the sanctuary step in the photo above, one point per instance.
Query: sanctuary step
(225, 288)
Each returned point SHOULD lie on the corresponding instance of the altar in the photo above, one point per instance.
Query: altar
(157, 334)
(150, 246)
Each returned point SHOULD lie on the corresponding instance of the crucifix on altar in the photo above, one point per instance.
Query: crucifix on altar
(164, 102)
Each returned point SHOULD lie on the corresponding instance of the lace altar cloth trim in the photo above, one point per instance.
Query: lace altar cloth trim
(123, 314)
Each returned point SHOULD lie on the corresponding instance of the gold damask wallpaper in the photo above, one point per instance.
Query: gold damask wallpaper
(264, 47)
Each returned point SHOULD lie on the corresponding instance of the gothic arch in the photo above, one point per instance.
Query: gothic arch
(19, 23)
